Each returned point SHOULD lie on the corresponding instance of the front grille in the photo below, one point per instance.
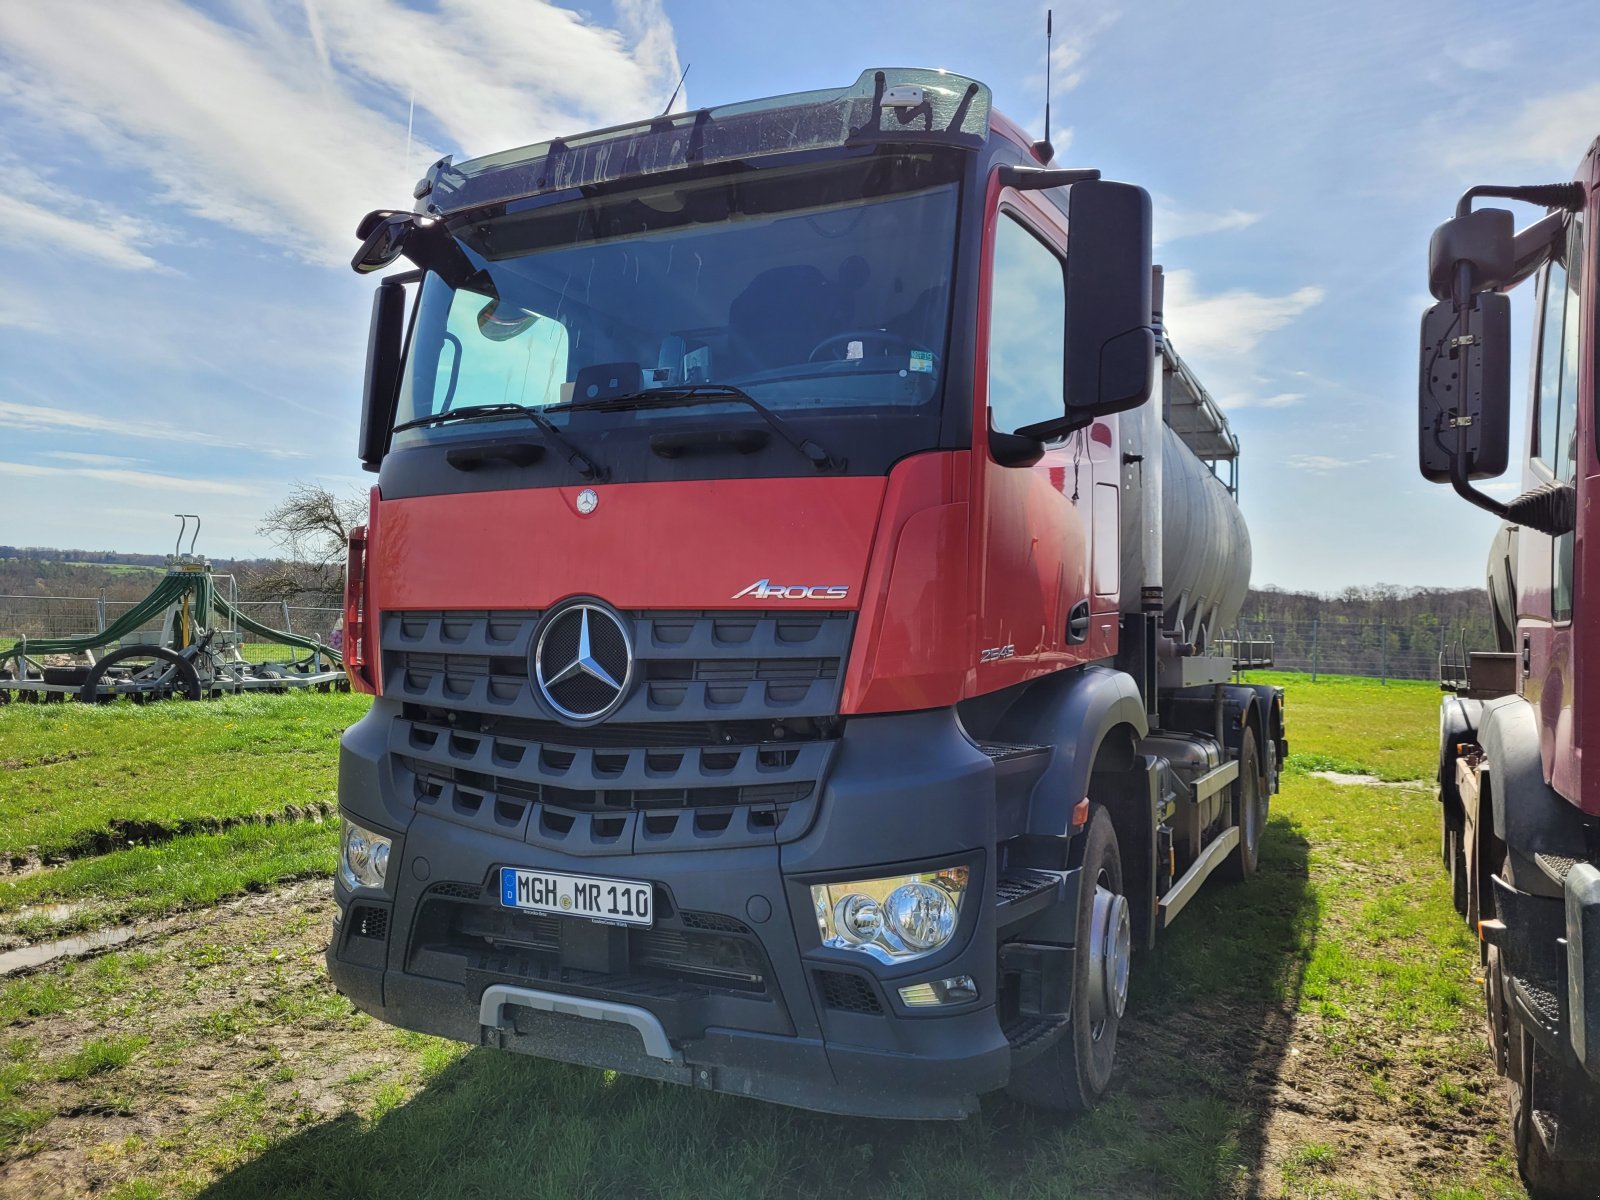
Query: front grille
(453, 938)
(724, 740)
(689, 666)
(847, 992)
(565, 794)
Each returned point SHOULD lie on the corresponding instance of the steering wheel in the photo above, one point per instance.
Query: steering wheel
(889, 341)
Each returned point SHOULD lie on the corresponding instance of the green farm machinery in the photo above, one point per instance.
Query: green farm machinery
(184, 640)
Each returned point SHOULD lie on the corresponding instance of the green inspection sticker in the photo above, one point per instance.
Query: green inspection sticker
(922, 360)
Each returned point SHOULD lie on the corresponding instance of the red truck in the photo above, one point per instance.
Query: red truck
(794, 597)
(1519, 772)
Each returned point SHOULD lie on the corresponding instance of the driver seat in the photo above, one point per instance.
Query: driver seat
(781, 316)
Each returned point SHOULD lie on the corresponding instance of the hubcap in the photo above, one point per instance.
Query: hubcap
(1110, 957)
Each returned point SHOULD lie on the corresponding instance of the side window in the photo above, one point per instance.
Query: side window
(1555, 304)
(1027, 329)
(1565, 461)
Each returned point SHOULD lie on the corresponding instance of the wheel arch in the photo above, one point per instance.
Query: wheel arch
(1090, 717)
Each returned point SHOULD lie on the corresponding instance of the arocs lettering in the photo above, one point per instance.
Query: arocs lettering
(765, 589)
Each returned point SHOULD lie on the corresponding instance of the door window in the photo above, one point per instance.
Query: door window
(1027, 329)
(1565, 460)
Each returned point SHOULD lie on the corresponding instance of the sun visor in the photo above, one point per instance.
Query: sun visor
(886, 105)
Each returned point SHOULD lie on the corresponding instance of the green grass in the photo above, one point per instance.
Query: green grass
(78, 778)
(1343, 950)
(1359, 726)
(190, 871)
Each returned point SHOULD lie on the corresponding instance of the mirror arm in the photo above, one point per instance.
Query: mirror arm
(1462, 485)
(1034, 179)
(1567, 196)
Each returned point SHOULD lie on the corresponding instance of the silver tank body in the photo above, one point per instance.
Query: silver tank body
(1205, 546)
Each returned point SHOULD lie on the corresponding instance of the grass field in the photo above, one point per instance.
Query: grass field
(1314, 1033)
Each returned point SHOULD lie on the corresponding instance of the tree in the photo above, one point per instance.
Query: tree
(311, 528)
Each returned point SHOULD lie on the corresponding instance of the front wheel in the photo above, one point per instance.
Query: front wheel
(1074, 1073)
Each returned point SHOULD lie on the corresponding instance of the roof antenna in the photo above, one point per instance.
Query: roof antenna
(1042, 149)
(668, 109)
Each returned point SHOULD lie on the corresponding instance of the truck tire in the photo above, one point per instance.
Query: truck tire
(1250, 803)
(1075, 1071)
(1455, 856)
(1546, 1178)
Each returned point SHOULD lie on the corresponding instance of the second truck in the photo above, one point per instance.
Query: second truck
(794, 596)
(1519, 769)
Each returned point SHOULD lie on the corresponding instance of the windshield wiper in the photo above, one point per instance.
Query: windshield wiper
(589, 468)
(690, 395)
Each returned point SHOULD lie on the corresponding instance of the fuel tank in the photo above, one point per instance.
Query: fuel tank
(1205, 546)
(1502, 581)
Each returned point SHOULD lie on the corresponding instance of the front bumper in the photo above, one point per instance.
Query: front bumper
(731, 989)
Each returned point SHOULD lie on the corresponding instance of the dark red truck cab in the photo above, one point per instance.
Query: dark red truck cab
(768, 695)
(1519, 767)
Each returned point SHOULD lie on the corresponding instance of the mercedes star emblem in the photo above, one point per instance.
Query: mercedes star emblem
(588, 499)
(583, 660)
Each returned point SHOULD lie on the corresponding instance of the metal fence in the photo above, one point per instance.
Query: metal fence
(1382, 650)
(1377, 649)
(71, 616)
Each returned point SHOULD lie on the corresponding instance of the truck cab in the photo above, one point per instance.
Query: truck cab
(776, 689)
(1520, 804)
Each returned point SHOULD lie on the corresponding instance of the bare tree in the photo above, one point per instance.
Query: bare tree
(310, 529)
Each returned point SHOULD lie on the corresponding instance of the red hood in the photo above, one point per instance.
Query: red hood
(644, 545)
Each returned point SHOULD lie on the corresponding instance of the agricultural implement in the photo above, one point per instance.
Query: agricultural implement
(195, 653)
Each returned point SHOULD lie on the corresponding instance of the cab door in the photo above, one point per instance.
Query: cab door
(1033, 521)
(1562, 395)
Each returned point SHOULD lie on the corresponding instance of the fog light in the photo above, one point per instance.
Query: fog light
(958, 989)
(363, 857)
(892, 919)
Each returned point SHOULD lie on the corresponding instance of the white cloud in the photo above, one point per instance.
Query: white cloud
(112, 242)
(1173, 223)
(1080, 24)
(34, 418)
(292, 123)
(93, 460)
(15, 314)
(1277, 400)
(175, 484)
(1549, 131)
(1228, 324)
(1322, 462)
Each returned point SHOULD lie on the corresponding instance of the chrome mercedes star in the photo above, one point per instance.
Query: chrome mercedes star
(584, 663)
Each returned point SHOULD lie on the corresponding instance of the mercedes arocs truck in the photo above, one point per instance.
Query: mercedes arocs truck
(794, 599)
(1519, 767)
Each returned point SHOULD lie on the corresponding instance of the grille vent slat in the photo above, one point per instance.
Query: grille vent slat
(689, 666)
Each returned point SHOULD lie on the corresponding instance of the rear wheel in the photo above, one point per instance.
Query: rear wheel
(1075, 1071)
(1250, 801)
(1455, 852)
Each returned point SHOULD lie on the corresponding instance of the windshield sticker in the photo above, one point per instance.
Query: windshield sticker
(922, 360)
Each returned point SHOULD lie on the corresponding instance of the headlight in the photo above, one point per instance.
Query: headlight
(894, 919)
(363, 857)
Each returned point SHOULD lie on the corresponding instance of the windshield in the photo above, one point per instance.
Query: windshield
(820, 292)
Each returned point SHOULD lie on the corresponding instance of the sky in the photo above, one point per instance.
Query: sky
(180, 329)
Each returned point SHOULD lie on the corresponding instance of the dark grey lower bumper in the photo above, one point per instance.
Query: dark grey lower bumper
(798, 1023)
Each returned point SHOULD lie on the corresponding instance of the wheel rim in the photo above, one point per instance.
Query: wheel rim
(1110, 956)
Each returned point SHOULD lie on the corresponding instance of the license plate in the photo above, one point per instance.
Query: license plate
(622, 901)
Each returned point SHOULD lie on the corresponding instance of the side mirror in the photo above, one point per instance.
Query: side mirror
(1465, 388)
(1480, 242)
(1110, 340)
(383, 239)
(379, 390)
